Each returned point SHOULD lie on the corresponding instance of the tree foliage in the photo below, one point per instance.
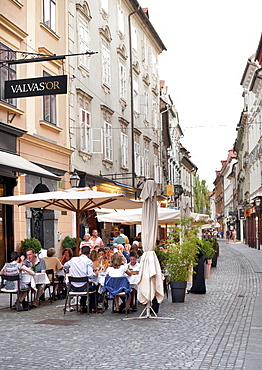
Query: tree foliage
(201, 196)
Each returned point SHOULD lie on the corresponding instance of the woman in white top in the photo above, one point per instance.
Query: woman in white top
(118, 269)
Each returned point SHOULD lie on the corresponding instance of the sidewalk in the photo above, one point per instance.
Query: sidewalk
(253, 359)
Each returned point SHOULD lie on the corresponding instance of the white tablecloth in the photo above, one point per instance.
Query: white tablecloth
(38, 278)
(133, 279)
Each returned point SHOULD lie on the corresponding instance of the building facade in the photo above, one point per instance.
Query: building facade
(114, 112)
(34, 140)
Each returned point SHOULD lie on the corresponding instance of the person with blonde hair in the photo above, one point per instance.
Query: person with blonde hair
(86, 241)
(118, 269)
(94, 258)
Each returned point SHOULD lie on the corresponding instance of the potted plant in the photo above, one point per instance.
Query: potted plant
(30, 243)
(209, 252)
(69, 242)
(182, 248)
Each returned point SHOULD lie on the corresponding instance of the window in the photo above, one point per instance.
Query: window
(157, 170)
(49, 102)
(154, 64)
(108, 141)
(85, 131)
(137, 159)
(106, 66)
(50, 13)
(142, 166)
(134, 38)
(104, 5)
(121, 24)
(84, 43)
(7, 72)
(97, 143)
(124, 150)
(145, 51)
(145, 103)
(136, 96)
(154, 115)
(123, 93)
(147, 163)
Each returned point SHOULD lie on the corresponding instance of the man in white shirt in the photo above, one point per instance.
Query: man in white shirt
(79, 267)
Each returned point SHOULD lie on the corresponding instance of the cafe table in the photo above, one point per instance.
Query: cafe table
(33, 280)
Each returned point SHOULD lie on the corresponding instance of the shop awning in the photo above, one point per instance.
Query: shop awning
(14, 163)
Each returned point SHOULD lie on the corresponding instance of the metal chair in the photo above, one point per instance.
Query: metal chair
(17, 291)
(50, 272)
(116, 287)
(70, 293)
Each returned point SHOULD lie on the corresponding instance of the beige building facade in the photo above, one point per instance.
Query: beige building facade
(33, 129)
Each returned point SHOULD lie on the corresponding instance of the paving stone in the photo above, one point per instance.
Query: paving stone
(210, 331)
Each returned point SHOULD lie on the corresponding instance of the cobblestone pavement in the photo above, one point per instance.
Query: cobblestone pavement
(210, 331)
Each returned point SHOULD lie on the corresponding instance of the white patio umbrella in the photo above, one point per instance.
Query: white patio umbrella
(150, 283)
(134, 216)
(75, 199)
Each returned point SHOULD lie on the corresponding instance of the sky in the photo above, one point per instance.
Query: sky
(208, 44)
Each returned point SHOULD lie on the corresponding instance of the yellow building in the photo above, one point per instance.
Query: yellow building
(34, 135)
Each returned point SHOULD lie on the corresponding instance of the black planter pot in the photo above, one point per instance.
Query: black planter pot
(178, 290)
(214, 260)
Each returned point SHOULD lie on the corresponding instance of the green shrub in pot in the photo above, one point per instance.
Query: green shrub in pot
(30, 243)
(182, 249)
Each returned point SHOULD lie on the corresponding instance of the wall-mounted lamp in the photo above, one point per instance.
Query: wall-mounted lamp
(74, 180)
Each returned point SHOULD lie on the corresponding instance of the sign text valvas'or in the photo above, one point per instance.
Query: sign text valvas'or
(51, 85)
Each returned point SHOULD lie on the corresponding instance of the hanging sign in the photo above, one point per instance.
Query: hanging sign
(169, 190)
(50, 85)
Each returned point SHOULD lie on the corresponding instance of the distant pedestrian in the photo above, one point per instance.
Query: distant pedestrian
(227, 236)
(234, 235)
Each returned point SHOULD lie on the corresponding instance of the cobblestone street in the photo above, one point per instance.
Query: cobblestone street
(211, 331)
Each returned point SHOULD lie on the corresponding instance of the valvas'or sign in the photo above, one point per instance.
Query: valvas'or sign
(36, 86)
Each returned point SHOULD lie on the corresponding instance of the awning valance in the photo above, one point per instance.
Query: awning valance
(13, 162)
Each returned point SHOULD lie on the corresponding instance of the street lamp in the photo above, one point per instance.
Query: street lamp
(74, 180)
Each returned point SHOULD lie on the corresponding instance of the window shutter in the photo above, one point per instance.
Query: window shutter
(97, 136)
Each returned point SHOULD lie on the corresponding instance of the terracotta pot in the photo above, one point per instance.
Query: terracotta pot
(208, 268)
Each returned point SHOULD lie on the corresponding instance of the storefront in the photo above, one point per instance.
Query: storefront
(16, 173)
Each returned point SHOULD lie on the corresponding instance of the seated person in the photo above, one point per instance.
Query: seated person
(134, 268)
(67, 254)
(133, 264)
(79, 267)
(118, 269)
(103, 263)
(107, 255)
(123, 253)
(94, 258)
(86, 241)
(15, 267)
(36, 264)
(53, 263)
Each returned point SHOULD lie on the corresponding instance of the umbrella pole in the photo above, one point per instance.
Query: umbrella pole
(77, 232)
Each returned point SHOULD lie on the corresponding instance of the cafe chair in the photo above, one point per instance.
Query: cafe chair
(16, 291)
(116, 287)
(51, 277)
(70, 293)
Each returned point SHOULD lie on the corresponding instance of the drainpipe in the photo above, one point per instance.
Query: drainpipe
(132, 96)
